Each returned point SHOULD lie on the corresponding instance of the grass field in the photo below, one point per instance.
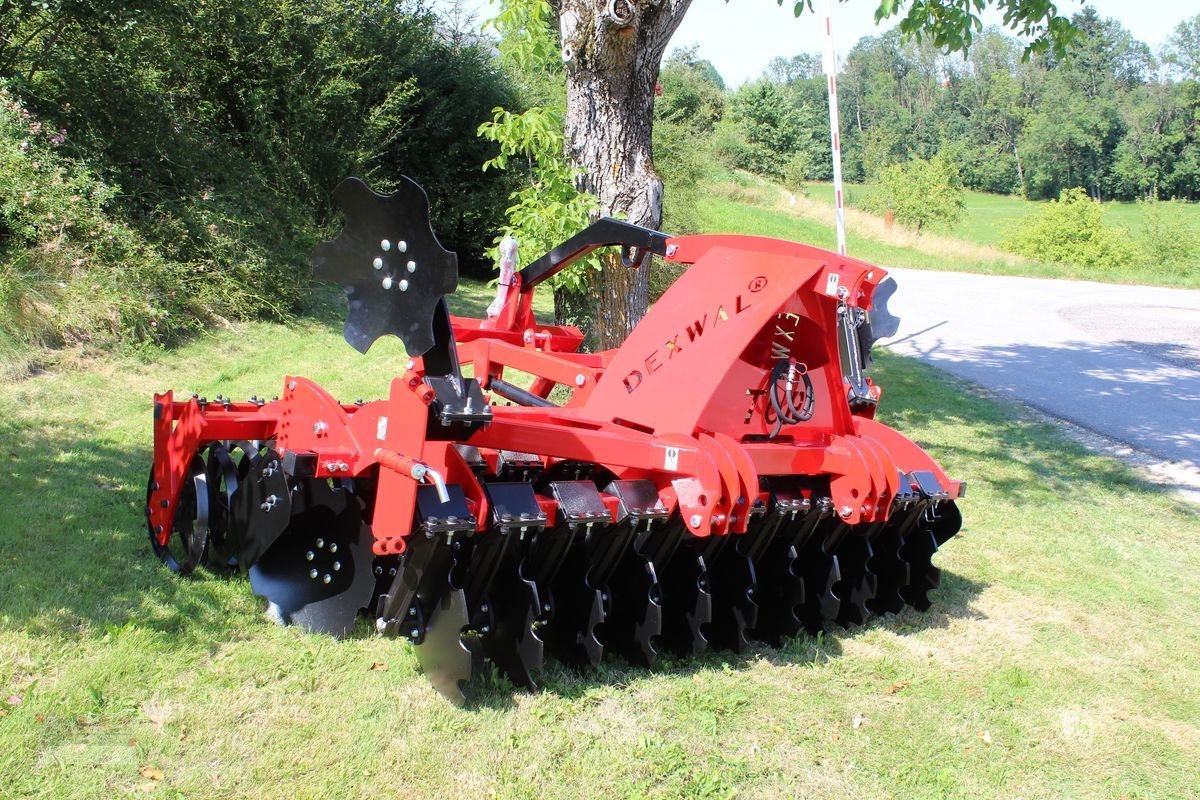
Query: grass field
(972, 245)
(1061, 657)
(990, 216)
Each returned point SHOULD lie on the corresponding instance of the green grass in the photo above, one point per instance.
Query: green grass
(1060, 658)
(989, 217)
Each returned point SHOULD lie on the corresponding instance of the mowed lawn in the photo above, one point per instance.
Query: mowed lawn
(1061, 657)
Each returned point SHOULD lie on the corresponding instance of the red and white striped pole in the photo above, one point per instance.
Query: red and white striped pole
(835, 136)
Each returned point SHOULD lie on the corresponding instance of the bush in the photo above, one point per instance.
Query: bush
(1070, 231)
(1167, 242)
(922, 193)
(168, 166)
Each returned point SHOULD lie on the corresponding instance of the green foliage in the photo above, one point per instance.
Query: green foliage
(218, 130)
(952, 26)
(547, 208)
(71, 273)
(923, 193)
(1167, 242)
(686, 114)
(1071, 231)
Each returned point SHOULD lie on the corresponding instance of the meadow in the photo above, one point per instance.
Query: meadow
(1060, 657)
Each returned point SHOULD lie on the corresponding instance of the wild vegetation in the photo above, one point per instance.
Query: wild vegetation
(166, 167)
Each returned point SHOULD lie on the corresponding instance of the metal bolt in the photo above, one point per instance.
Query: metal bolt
(337, 565)
(380, 625)
(414, 633)
(333, 547)
(672, 249)
(412, 612)
(846, 511)
(377, 263)
(379, 570)
(312, 573)
(404, 286)
(545, 606)
(385, 245)
(320, 427)
(483, 609)
(486, 628)
(320, 543)
(580, 380)
(327, 578)
(310, 555)
(695, 521)
(387, 282)
(411, 267)
(402, 247)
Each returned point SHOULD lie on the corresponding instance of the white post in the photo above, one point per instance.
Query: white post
(835, 136)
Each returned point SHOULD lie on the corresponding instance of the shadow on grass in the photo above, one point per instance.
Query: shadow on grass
(74, 543)
(951, 600)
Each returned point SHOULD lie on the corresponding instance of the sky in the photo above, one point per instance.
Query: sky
(740, 37)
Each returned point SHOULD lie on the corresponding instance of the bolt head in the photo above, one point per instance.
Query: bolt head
(846, 511)
(320, 543)
(404, 286)
(327, 579)
(377, 263)
(414, 633)
(337, 566)
(312, 573)
(385, 245)
(695, 521)
(411, 267)
(310, 555)
(580, 380)
(333, 547)
(402, 246)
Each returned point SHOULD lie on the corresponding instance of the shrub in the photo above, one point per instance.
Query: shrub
(922, 193)
(1167, 242)
(1070, 230)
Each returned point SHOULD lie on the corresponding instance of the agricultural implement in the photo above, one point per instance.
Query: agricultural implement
(718, 478)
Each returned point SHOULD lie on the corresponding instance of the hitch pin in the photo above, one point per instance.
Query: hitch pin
(413, 469)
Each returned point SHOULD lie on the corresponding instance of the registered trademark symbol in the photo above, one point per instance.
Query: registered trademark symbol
(758, 284)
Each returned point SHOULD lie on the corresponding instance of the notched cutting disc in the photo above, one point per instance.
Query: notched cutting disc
(390, 264)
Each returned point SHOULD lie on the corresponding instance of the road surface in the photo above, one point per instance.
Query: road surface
(1119, 361)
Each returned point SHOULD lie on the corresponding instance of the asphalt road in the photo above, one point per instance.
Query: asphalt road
(1120, 361)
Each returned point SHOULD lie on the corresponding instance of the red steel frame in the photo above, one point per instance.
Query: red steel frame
(682, 402)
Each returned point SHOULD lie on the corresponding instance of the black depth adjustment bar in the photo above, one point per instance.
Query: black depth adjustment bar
(636, 243)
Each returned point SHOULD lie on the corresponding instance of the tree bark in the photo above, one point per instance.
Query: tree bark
(612, 50)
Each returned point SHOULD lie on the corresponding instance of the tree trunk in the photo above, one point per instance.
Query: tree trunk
(612, 50)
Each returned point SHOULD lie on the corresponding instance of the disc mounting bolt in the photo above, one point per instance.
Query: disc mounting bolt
(320, 427)
(411, 267)
(695, 521)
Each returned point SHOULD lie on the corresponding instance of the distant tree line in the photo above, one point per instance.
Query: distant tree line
(1111, 117)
